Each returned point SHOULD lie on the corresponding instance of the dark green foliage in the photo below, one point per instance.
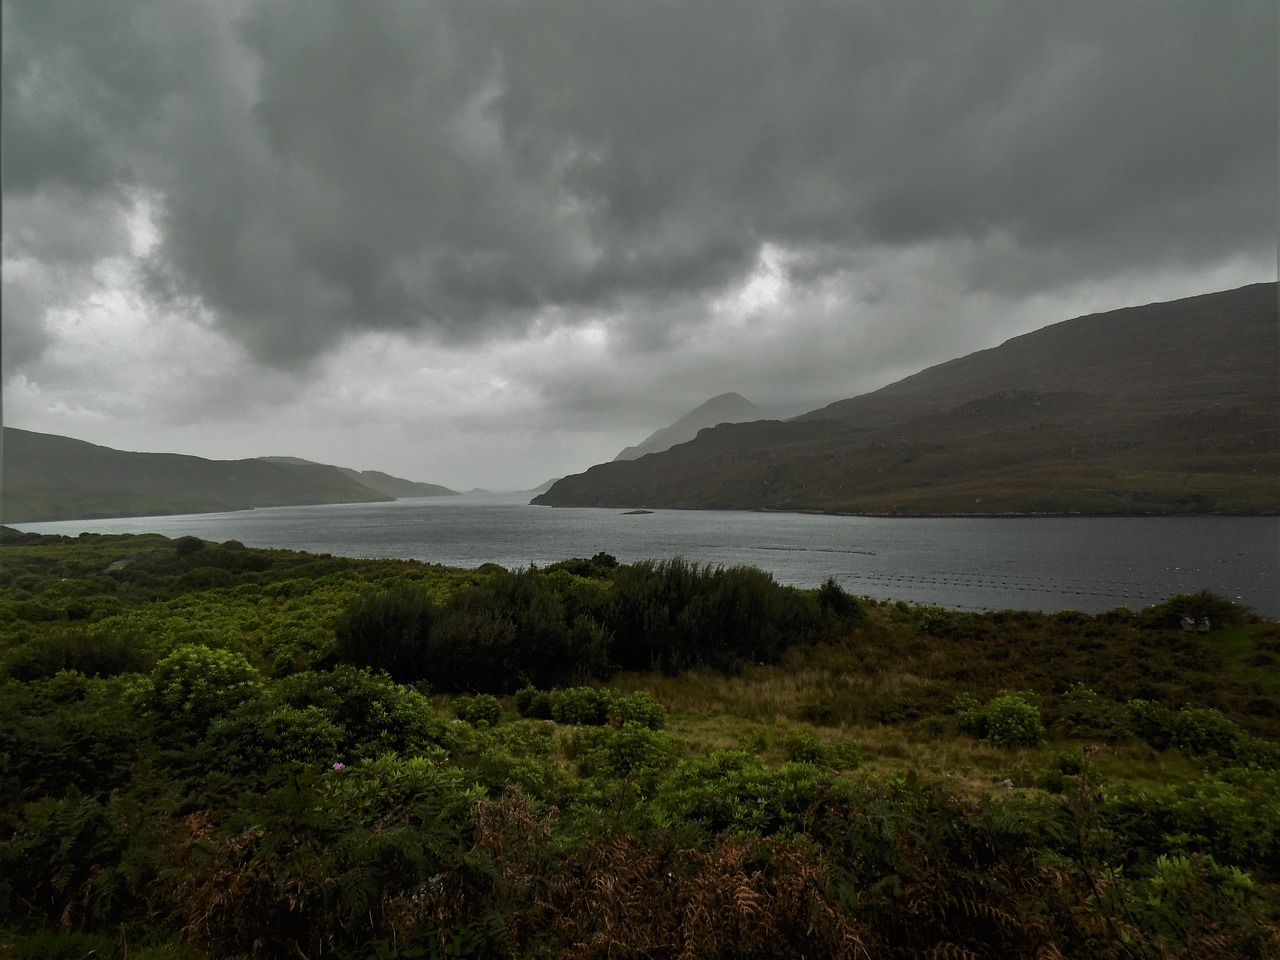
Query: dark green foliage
(94, 652)
(63, 732)
(728, 790)
(194, 686)
(835, 602)
(1206, 731)
(1203, 605)
(640, 708)
(1086, 714)
(533, 703)
(592, 707)
(65, 945)
(185, 546)
(1233, 815)
(806, 748)
(601, 565)
(374, 714)
(1007, 720)
(587, 706)
(389, 630)
(82, 857)
(472, 648)
(671, 615)
(518, 627)
(234, 798)
(629, 751)
(480, 710)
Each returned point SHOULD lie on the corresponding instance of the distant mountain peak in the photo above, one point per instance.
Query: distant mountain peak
(724, 408)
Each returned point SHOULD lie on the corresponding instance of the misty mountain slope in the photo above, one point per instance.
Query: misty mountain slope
(1165, 408)
(384, 483)
(59, 478)
(726, 408)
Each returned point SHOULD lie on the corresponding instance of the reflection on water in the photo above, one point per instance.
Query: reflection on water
(1088, 564)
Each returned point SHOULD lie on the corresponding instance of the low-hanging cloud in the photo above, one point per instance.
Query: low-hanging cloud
(315, 169)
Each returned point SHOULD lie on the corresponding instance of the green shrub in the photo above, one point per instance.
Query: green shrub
(389, 630)
(585, 706)
(729, 790)
(195, 685)
(1233, 815)
(1012, 721)
(482, 709)
(849, 754)
(969, 715)
(92, 651)
(1083, 713)
(533, 703)
(375, 714)
(1150, 722)
(1168, 615)
(1195, 897)
(639, 708)
(1007, 720)
(65, 945)
(806, 748)
(263, 734)
(671, 615)
(1061, 765)
(836, 603)
(1205, 731)
(633, 748)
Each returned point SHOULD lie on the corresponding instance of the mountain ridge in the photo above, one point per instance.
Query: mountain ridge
(49, 477)
(1163, 408)
(724, 408)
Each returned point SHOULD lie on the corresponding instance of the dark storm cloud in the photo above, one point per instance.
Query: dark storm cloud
(319, 166)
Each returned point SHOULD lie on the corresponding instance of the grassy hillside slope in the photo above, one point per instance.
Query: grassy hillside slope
(58, 478)
(1162, 409)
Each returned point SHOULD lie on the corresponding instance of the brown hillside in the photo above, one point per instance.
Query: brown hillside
(1165, 408)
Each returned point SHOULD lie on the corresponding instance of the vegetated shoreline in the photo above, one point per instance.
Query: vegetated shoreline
(223, 751)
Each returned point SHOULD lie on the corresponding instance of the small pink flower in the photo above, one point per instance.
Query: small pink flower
(338, 766)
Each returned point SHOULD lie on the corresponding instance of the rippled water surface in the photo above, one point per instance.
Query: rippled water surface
(1088, 564)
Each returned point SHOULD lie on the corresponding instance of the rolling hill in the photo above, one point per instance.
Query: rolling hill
(1167, 408)
(57, 478)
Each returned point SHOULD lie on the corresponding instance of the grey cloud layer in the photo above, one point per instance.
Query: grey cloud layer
(318, 167)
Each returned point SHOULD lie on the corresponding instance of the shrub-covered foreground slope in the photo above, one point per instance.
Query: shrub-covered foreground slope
(215, 751)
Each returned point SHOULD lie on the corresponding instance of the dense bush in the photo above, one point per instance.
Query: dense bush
(1084, 713)
(92, 651)
(641, 708)
(1206, 731)
(672, 614)
(1007, 720)
(835, 602)
(482, 709)
(591, 706)
(1168, 615)
(514, 628)
(194, 686)
(389, 630)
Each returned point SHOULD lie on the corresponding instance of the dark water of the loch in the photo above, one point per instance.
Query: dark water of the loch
(1086, 564)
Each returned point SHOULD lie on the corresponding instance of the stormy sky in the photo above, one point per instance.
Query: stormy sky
(488, 242)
